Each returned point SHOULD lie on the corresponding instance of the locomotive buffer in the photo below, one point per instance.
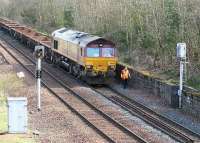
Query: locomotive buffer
(39, 54)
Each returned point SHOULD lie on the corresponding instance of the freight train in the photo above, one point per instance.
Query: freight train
(86, 56)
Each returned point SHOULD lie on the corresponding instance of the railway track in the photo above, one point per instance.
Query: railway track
(173, 129)
(169, 127)
(105, 125)
(3, 60)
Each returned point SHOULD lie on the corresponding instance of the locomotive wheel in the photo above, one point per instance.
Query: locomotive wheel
(47, 58)
(75, 70)
(80, 75)
(70, 69)
(55, 62)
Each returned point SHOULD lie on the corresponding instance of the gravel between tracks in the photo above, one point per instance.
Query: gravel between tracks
(55, 123)
(157, 104)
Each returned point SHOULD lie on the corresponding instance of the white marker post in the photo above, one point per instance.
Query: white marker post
(39, 54)
(38, 76)
(181, 54)
(180, 84)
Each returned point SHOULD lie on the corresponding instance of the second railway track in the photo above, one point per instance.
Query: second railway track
(160, 122)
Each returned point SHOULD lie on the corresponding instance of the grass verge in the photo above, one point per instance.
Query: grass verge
(194, 82)
(3, 117)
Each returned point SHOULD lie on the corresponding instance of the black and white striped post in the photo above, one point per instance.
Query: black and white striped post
(39, 54)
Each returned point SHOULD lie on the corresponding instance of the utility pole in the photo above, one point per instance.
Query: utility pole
(39, 54)
(181, 54)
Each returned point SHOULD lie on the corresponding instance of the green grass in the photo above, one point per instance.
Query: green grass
(170, 74)
(11, 138)
(194, 82)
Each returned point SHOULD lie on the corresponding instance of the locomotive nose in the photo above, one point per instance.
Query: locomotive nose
(105, 65)
(100, 66)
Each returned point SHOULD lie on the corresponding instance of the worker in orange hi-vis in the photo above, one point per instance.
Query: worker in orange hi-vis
(125, 75)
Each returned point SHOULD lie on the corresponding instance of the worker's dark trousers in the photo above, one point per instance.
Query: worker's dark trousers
(125, 82)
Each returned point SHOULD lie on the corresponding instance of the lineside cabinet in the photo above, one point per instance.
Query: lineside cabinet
(17, 114)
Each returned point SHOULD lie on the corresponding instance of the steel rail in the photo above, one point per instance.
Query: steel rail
(147, 115)
(116, 123)
(153, 121)
(154, 113)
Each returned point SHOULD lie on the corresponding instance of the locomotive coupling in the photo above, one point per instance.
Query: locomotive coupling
(89, 66)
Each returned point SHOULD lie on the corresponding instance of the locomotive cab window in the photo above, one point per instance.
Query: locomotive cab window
(108, 52)
(93, 52)
(55, 44)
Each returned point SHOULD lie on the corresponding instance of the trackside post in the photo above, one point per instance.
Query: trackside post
(39, 54)
(181, 54)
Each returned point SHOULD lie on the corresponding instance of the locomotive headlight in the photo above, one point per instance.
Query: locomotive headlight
(89, 66)
(112, 66)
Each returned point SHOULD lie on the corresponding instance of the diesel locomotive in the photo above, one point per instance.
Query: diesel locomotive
(87, 56)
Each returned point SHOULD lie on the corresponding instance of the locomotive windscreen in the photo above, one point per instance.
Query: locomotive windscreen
(100, 52)
(93, 52)
(108, 52)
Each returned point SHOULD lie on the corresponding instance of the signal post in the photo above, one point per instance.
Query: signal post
(181, 55)
(39, 54)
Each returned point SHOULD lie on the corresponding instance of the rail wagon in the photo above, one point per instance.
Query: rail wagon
(87, 56)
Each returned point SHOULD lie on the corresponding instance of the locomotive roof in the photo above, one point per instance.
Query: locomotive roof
(74, 36)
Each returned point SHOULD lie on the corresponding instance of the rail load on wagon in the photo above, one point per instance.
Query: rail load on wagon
(87, 56)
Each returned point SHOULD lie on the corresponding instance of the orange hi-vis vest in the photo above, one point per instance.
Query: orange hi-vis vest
(125, 74)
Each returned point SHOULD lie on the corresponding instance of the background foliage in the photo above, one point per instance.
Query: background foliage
(146, 32)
